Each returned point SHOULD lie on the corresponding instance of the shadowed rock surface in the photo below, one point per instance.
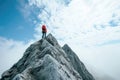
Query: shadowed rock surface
(47, 60)
(77, 64)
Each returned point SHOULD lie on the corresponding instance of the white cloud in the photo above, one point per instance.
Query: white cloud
(11, 51)
(103, 58)
(87, 19)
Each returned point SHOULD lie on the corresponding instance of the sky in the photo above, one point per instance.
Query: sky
(90, 27)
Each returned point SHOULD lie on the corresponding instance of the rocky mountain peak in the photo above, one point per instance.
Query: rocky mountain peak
(47, 60)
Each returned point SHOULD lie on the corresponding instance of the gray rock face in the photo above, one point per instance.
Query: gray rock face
(77, 64)
(46, 60)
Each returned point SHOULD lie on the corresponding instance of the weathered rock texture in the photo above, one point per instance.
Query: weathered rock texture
(47, 60)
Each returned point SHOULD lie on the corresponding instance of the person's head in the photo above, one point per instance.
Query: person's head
(43, 25)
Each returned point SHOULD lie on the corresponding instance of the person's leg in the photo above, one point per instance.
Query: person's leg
(45, 34)
(42, 34)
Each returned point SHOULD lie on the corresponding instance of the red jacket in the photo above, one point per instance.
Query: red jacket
(44, 29)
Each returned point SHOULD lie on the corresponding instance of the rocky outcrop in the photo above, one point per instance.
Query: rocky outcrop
(46, 60)
(77, 64)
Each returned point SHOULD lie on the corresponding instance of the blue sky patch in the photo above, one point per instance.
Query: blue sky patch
(109, 43)
(113, 23)
(13, 25)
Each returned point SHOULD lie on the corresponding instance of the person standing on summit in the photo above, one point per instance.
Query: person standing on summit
(44, 31)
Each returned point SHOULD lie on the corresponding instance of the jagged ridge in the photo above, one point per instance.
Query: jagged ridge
(46, 60)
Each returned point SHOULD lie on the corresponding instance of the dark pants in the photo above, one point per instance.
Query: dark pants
(43, 34)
